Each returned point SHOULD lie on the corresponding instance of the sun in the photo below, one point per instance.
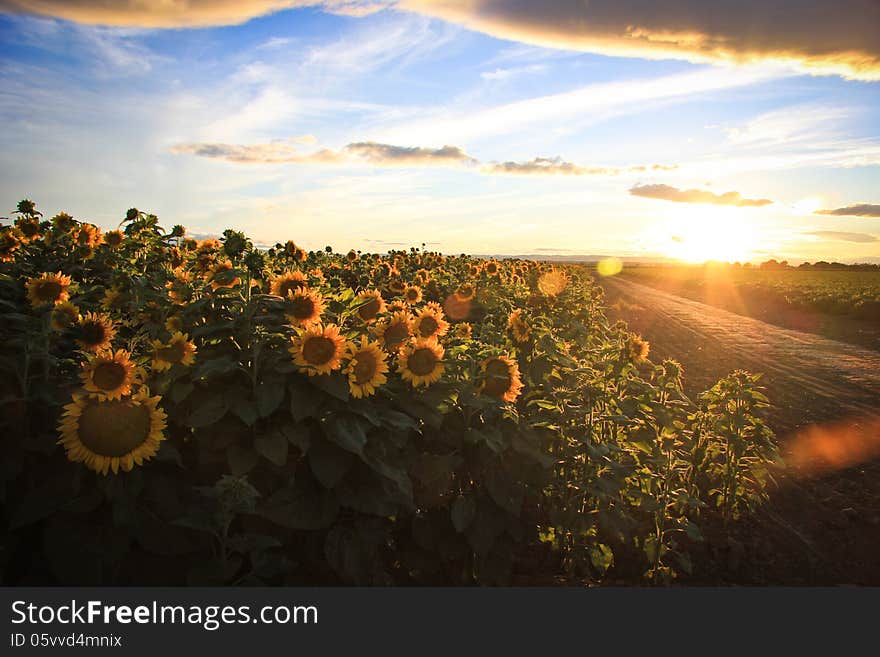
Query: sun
(723, 235)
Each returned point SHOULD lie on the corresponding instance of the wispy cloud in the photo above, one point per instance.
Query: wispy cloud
(548, 166)
(669, 193)
(859, 210)
(840, 236)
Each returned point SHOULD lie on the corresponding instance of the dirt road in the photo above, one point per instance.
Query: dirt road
(821, 527)
(809, 378)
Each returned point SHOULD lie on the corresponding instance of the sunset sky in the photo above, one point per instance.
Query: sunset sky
(746, 131)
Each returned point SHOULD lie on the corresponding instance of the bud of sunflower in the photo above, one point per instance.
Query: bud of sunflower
(26, 206)
(132, 214)
(178, 231)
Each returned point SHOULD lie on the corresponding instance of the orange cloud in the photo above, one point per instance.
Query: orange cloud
(817, 36)
(669, 193)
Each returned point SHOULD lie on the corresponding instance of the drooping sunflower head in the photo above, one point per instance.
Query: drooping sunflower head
(369, 304)
(352, 256)
(421, 362)
(64, 315)
(553, 282)
(62, 222)
(95, 331)
(367, 368)
(109, 374)
(394, 331)
(429, 323)
(112, 434)
(303, 307)
(318, 349)
(48, 288)
(412, 294)
(179, 350)
(518, 326)
(501, 378)
(286, 283)
(638, 348)
(28, 229)
(222, 275)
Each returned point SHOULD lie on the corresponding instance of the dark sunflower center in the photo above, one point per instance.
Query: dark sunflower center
(497, 378)
(302, 307)
(428, 326)
(114, 428)
(365, 368)
(396, 333)
(288, 286)
(370, 309)
(412, 295)
(93, 333)
(49, 290)
(173, 353)
(422, 361)
(108, 376)
(318, 350)
(29, 229)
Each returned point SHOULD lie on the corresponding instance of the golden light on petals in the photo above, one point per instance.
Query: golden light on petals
(288, 282)
(553, 282)
(518, 326)
(109, 374)
(95, 331)
(421, 362)
(112, 434)
(394, 331)
(303, 307)
(412, 294)
(430, 323)
(367, 368)
(318, 349)
(501, 378)
(369, 305)
(48, 288)
(179, 350)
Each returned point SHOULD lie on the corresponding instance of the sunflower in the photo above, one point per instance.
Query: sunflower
(113, 299)
(638, 349)
(209, 245)
(179, 288)
(518, 326)
(370, 304)
(351, 256)
(87, 235)
(109, 374)
(288, 282)
(222, 276)
(412, 294)
(396, 285)
(429, 323)
(394, 331)
(474, 271)
(303, 307)
(319, 349)
(466, 291)
(423, 275)
(113, 238)
(28, 229)
(9, 244)
(179, 350)
(463, 331)
(107, 435)
(421, 362)
(96, 330)
(173, 324)
(48, 288)
(501, 378)
(492, 268)
(62, 222)
(553, 282)
(367, 368)
(64, 315)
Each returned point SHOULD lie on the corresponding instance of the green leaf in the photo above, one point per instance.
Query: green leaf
(208, 412)
(335, 385)
(269, 395)
(328, 462)
(241, 459)
(601, 557)
(347, 432)
(246, 410)
(273, 446)
(305, 401)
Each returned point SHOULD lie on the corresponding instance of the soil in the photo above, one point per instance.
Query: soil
(822, 524)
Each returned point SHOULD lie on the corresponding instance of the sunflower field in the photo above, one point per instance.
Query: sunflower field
(206, 412)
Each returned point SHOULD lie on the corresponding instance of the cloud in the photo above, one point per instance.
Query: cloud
(843, 236)
(817, 36)
(668, 193)
(500, 74)
(860, 210)
(286, 151)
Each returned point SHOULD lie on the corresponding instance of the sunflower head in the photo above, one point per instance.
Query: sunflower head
(48, 288)
(501, 378)
(287, 283)
(318, 349)
(638, 348)
(412, 294)
(87, 235)
(64, 315)
(222, 275)
(466, 291)
(421, 362)
(9, 244)
(553, 282)
(429, 323)
(492, 268)
(114, 298)
(62, 222)
(112, 434)
(463, 331)
(28, 229)
(109, 374)
(369, 305)
(394, 331)
(113, 238)
(303, 307)
(352, 256)
(366, 369)
(95, 331)
(518, 326)
(179, 350)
